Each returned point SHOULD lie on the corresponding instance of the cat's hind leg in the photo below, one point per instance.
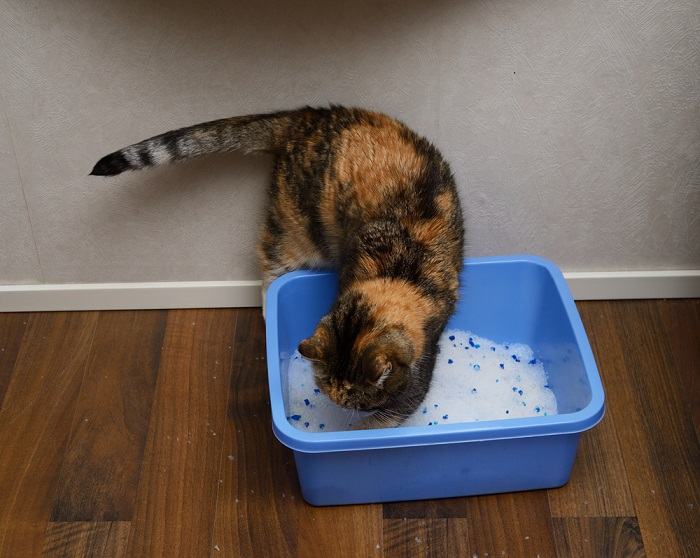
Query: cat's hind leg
(280, 254)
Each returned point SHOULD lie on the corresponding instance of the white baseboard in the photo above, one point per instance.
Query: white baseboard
(130, 296)
(612, 285)
(601, 285)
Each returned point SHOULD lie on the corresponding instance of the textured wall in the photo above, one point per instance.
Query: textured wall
(573, 126)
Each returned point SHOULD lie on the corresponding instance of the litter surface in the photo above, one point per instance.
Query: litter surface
(474, 379)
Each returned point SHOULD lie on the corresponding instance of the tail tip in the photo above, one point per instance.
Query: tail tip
(110, 165)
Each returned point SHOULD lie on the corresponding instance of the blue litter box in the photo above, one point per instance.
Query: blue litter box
(521, 299)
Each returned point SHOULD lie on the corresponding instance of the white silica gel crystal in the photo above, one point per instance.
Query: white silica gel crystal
(474, 379)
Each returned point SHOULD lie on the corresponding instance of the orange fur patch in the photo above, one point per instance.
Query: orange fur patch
(445, 202)
(376, 161)
(396, 302)
(428, 231)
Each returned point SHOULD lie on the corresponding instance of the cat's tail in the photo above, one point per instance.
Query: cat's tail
(257, 132)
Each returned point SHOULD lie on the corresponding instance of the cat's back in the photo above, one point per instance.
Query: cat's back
(346, 168)
(370, 160)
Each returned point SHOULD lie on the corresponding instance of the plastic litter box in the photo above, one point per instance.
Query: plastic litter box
(521, 299)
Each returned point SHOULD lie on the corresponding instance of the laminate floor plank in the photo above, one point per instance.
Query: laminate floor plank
(100, 472)
(35, 423)
(176, 497)
(12, 327)
(656, 436)
(106, 539)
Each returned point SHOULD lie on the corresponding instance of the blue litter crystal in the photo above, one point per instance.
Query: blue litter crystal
(444, 416)
(321, 426)
(501, 365)
(307, 402)
(306, 424)
(451, 337)
(477, 367)
(533, 361)
(295, 417)
(450, 361)
(516, 358)
(317, 391)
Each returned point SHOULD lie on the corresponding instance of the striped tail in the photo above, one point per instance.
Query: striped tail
(258, 132)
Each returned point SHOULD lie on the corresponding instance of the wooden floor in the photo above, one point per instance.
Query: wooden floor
(148, 434)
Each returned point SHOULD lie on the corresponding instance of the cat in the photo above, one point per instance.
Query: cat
(360, 192)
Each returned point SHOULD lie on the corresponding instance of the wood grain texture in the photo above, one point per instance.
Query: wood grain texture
(259, 500)
(342, 531)
(658, 442)
(458, 542)
(151, 425)
(517, 524)
(12, 328)
(447, 507)
(598, 485)
(176, 497)
(414, 537)
(681, 324)
(596, 537)
(36, 418)
(106, 539)
(100, 471)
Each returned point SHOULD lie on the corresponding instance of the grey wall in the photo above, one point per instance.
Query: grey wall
(573, 126)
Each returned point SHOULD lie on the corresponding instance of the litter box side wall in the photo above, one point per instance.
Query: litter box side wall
(435, 471)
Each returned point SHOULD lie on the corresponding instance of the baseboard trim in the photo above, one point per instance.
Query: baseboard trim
(612, 285)
(130, 296)
(595, 285)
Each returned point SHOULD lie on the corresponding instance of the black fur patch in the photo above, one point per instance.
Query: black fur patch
(169, 141)
(111, 165)
(349, 319)
(145, 157)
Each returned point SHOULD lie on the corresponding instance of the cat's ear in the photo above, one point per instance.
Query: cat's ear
(387, 363)
(376, 366)
(315, 347)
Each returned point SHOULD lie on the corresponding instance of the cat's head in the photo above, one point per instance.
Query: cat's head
(365, 349)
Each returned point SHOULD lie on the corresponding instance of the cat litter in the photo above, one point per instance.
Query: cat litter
(475, 379)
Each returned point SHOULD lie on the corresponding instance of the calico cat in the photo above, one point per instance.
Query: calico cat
(358, 191)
